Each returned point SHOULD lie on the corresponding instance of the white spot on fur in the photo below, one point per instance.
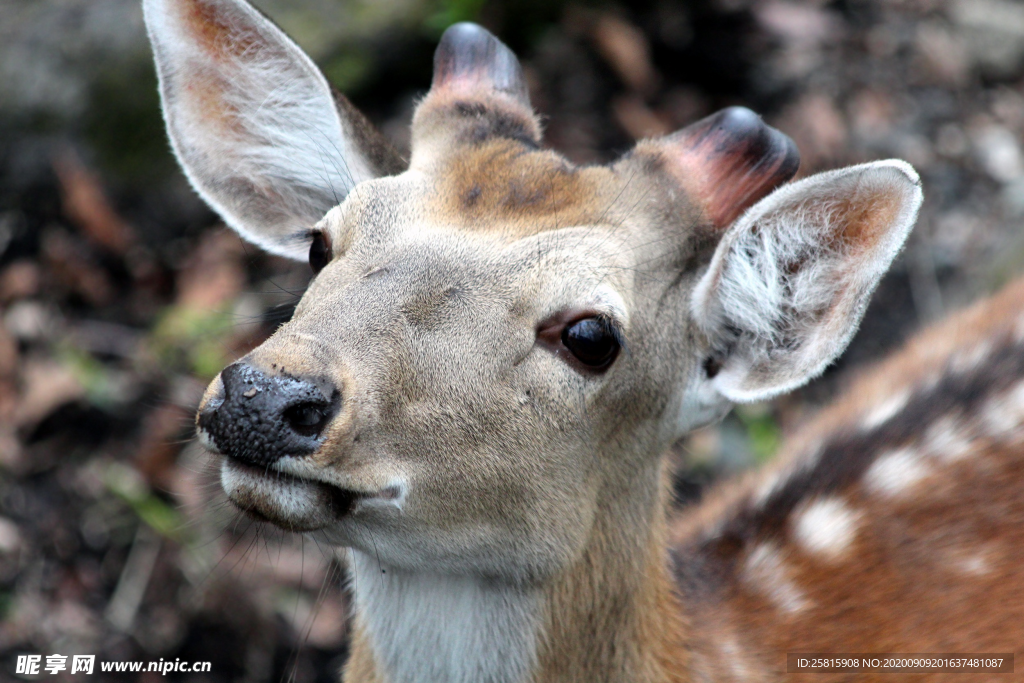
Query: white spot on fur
(948, 439)
(735, 657)
(895, 472)
(968, 359)
(1003, 415)
(885, 410)
(975, 565)
(766, 572)
(827, 527)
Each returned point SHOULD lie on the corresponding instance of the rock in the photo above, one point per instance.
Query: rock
(998, 152)
(994, 31)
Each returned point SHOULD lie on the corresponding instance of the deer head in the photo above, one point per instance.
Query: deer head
(499, 344)
(495, 338)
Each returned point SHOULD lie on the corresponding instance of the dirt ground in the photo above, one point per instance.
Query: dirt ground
(121, 295)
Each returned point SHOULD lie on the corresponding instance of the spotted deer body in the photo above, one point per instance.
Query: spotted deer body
(890, 522)
(475, 392)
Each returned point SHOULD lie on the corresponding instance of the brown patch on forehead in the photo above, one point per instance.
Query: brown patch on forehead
(504, 185)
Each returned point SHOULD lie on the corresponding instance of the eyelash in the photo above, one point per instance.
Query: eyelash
(552, 332)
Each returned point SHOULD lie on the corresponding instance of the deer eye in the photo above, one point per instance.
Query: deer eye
(592, 341)
(319, 251)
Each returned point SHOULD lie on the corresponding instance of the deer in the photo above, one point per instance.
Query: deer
(475, 394)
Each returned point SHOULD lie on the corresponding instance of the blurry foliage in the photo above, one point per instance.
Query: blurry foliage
(448, 12)
(94, 377)
(763, 433)
(191, 340)
(348, 70)
(125, 482)
(123, 124)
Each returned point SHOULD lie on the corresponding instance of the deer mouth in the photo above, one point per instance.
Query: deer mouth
(290, 502)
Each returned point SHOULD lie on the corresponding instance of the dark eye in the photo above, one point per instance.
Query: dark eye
(592, 341)
(319, 251)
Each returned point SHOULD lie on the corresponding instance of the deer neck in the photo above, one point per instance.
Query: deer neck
(612, 615)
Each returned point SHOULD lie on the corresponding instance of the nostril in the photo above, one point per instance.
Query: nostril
(261, 418)
(308, 419)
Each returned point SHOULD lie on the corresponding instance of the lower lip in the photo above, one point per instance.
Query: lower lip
(340, 501)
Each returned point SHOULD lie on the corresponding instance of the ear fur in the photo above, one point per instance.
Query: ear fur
(789, 282)
(254, 123)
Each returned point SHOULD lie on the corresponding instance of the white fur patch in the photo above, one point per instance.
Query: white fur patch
(896, 472)
(885, 410)
(765, 571)
(285, 498)
(610, 302)
(735, 657)
(827, 527)
(976, 564)
(1003, 415)
(431, 628)
(206, 440)
(968, 359)
(947, 439)
(700, 404)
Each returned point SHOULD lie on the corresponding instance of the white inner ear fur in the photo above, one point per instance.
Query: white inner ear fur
(253, 124)
(788, 284)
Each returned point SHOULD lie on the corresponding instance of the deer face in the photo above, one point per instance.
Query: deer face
(456, 386)
(498, 344)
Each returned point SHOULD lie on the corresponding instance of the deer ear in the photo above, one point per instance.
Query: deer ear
(789, 281)
(259, 132)
(478, 92)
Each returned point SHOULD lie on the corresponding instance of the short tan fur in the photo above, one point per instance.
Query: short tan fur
(475, 393)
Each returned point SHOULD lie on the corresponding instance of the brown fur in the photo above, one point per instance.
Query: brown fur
(506, 507)
(727, 162)
(932, 569)
(217, 33)
(500, 185)
(615, 615)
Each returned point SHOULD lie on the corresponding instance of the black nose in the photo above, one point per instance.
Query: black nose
(263, 418)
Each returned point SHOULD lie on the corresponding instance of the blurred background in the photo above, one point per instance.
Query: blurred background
(121, 295)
